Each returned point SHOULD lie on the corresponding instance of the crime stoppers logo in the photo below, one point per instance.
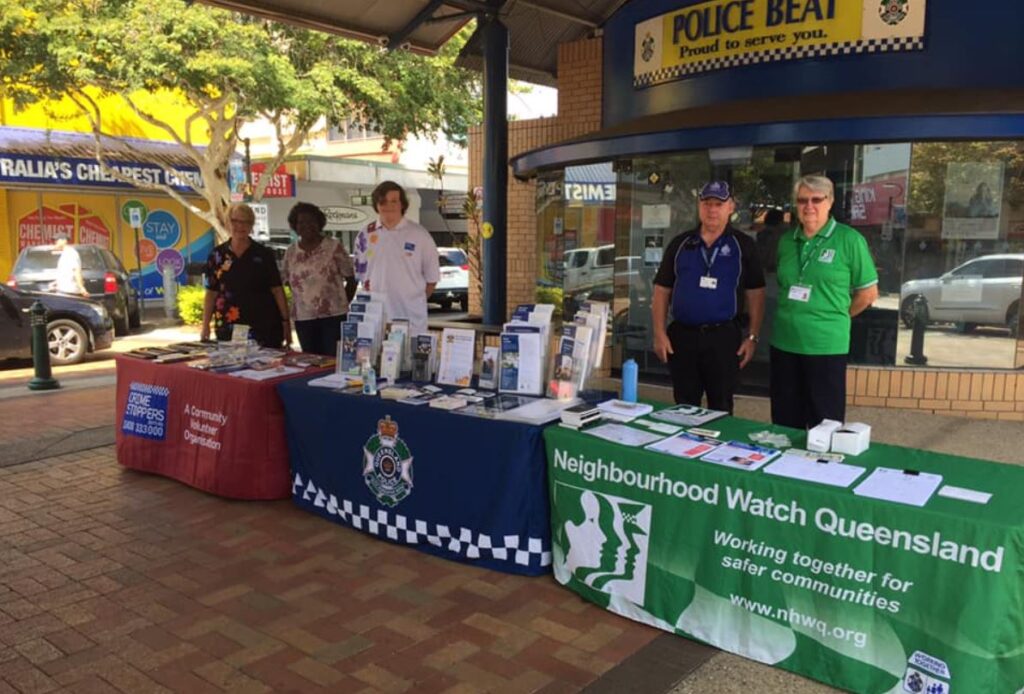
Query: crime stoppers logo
(893, 12)
(387, 464)
(647, 48)
(603, 541)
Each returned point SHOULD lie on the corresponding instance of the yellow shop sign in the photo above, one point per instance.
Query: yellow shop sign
(720, 34)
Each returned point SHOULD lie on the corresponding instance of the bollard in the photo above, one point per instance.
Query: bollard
(43, 379)
(170, 282)
(916, 356)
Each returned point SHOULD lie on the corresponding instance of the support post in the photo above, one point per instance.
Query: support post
(495, 212)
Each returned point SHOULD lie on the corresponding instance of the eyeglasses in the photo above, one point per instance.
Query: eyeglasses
(814, 199)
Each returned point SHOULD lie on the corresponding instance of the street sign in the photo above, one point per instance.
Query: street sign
(261, 228)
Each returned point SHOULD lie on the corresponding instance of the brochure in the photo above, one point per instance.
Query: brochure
(620, 433)
(347, 360)
(687, 415)
(685, 445)
(489, 368)
(741, 456)
(624, 411)
(520, 366)
(390, 360)
(457, 352)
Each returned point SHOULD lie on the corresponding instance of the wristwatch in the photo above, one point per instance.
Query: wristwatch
(753, 338)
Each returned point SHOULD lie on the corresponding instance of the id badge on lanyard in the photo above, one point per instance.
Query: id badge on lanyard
(706, 280)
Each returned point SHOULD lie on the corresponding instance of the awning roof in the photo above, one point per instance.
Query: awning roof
(55, 143)
(536, 27)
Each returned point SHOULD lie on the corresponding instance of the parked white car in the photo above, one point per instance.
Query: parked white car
(982, 291)
(586, 268)
(454, 284)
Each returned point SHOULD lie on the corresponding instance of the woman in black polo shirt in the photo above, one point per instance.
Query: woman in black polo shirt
(243, 286)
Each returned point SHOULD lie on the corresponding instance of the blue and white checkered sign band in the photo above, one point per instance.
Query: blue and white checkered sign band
(464, 543)
(879, 45)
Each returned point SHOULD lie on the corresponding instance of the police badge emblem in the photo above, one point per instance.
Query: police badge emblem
(892, 12)
(647, 48)
(387, 464)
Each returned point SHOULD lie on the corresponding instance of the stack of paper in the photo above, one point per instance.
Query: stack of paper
(623, 411)
(823, 468)
(902, 486)
(448, 402)
(742, 456)
(620, 433)
(398, 331)
(687, 415)
(521, 367)
(540, 411)
(594, 314)
(686, 445)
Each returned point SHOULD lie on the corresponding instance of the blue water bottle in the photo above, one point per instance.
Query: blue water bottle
(629, 377)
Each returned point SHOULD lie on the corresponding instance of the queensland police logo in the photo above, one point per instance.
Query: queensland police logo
(647, 48)
(387, 464)
(893, 12)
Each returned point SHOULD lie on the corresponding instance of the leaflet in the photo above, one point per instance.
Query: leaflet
(521, 364)
(964, 494)
(620, 433)
(823, 468)
(741, 456)
(902, 486)
(456, 366)
(685, 445)
(688, 415)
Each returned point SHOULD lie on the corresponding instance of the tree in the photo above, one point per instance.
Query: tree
(230, 68)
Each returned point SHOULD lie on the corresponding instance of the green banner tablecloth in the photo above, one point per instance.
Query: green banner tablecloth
(864, 594)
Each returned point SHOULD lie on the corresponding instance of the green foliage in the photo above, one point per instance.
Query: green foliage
(551, 295)
(232, 68)
(190, 304)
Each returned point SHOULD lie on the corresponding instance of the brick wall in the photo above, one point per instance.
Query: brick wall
(579, 112)
(964, 393)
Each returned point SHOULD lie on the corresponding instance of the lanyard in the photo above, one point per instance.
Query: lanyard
(709, 263)
(809, 247)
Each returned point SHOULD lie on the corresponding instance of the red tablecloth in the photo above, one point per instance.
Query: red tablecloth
(219, 433)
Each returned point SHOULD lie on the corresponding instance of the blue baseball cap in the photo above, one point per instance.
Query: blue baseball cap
(715, 189)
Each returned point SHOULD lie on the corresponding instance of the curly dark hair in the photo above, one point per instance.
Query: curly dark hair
(306, 208)
(382, 190)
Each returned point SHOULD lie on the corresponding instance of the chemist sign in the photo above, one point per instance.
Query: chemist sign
(720, 34)
(31, 169)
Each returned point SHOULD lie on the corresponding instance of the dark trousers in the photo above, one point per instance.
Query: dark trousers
(807, 388)
(704, 361)
(320, 335)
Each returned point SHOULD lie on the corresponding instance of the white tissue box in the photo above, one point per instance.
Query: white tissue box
(820, 437)
(851, 439)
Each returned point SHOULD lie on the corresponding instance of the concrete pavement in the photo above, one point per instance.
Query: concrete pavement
(112, 580)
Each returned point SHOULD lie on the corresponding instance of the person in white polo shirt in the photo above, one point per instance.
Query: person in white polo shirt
(398, 257)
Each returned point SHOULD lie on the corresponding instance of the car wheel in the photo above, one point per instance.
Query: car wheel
(1013, 320)
(68, 342)
(446, 305)
(963, 327)
(907, 310)
(121, 324)
(464, 303)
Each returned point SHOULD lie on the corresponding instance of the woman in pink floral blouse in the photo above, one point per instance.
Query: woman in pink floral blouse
(320, 273)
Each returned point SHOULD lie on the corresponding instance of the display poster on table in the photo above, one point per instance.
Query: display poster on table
(868, 596)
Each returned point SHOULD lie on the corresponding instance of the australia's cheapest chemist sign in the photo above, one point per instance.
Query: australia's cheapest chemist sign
(866, 595)
(17, 168)
(729, 33)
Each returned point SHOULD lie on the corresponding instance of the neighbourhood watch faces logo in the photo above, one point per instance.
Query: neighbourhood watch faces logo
(893, 12)
(604, 542)
(387, 464)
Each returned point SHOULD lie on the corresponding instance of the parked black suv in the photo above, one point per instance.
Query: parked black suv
(105, 279)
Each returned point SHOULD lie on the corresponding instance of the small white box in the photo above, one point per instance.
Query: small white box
(820, 437)
(851, 439)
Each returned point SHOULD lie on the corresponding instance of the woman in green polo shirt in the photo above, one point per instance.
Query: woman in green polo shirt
(826, 276)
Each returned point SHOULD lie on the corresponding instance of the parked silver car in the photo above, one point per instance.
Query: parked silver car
(982, 291)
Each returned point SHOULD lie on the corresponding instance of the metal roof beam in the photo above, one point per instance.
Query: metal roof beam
(398, 38)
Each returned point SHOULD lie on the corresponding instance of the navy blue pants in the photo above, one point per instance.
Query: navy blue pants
(704, 361)
(807, 388)
(320, 335)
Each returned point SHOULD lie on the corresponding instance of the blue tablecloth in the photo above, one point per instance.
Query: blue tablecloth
(460, 487)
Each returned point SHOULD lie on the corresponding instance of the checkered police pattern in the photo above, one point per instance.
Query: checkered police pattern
(524, 551)
(886, 45)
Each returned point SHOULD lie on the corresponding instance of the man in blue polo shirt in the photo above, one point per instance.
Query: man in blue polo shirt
(707, 274)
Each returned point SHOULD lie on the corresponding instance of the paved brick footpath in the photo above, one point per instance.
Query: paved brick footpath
(112, 580)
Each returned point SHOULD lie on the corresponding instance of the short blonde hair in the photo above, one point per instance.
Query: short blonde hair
(244, 209)
(816, 184)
